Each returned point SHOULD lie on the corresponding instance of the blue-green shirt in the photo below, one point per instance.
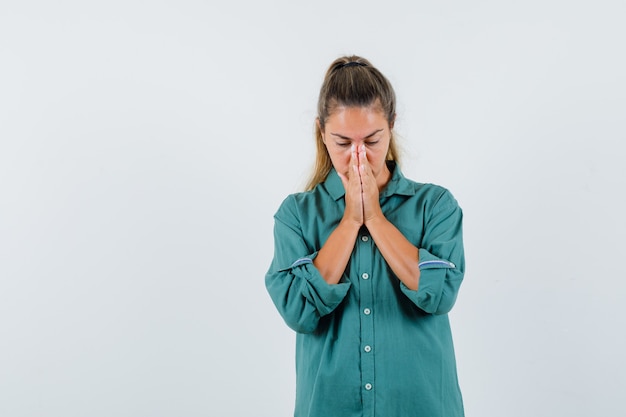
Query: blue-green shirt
(369, 346)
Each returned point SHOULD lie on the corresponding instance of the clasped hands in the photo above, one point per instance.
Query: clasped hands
(362, 197)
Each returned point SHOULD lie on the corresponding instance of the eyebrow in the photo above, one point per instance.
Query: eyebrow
(347, 138)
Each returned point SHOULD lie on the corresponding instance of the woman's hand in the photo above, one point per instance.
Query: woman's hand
(352, 184)
(369, 189)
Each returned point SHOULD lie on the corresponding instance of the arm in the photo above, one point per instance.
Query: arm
(431, 274)
(400, 254)
(295, 285)
(334, 255)
(441, 257)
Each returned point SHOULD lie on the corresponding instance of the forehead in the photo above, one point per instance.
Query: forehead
(356, 120)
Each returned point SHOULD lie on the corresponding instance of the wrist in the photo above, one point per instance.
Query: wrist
(350, 225)
(375, 220)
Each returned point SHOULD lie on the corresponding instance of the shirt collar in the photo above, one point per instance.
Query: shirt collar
(398, 184)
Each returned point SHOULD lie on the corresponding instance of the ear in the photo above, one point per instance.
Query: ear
(393, 121)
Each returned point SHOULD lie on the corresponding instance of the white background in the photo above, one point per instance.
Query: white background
(145, 146)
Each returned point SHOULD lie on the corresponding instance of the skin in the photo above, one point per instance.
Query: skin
(357, 140)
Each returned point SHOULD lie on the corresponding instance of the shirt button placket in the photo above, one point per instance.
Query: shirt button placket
(367, 323)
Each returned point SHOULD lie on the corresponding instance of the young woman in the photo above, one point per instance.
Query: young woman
(367, 264)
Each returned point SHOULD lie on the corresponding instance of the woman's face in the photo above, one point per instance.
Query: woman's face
(357, 126)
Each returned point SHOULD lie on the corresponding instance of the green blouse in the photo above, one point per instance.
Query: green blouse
(369, 346)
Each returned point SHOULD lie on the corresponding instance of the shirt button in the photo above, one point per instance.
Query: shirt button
(368, 386)
(367, 311)
(365, 275)
(367, 348)
(365, 238)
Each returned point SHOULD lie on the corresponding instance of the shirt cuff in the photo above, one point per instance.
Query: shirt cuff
(323, 296)
(432, 281)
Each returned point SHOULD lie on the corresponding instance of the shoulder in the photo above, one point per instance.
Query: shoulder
(431, 200)
(295, 203)
(431, 193)
(296, 199)
(424, 193)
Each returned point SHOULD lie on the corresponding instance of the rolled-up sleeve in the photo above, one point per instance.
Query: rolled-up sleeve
(441, 258)
(299, 292)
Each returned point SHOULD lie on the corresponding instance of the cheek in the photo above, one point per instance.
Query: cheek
(376, 160)
(373, 156)
(340, 156)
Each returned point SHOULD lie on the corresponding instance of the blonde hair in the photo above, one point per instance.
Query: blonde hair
(350, 81)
